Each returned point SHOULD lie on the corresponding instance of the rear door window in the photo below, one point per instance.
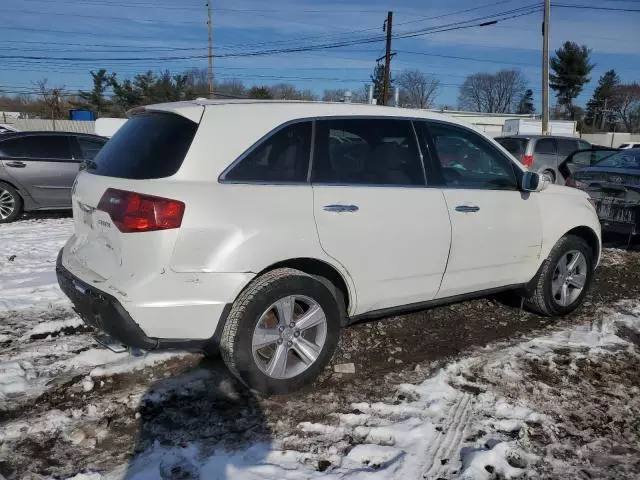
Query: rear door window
(149, 145)
(281, 158)
(367, 151)
(566, 146)
(546, 146)
(515, 146)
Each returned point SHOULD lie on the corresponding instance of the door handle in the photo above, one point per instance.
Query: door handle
(16, 164)
(467, 208)
(340, 208)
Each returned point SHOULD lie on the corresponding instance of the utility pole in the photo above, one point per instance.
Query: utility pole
(387, 59)
(545, 67)
(210, 55)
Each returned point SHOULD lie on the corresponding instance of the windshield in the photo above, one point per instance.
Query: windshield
(627, 159)
(515, 146)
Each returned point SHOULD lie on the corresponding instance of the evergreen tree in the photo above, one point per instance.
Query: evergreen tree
(526, 106)
(603, 94)
(571, 69)
(377, 79)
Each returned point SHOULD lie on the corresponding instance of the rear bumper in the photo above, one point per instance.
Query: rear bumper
(620, 227)
(623, 219)
(105, 313)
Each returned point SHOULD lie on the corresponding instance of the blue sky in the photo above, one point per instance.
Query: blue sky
(100, 31)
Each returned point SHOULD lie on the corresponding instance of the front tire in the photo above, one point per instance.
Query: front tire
(10, 203)
(281, 332)
(565, 278)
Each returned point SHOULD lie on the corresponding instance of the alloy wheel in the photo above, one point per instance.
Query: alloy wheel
(569, 278)
(7, 204)
(289, 336)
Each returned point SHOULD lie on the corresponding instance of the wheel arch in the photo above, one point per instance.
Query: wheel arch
(589, 236)
(320, 268)
(27, 202)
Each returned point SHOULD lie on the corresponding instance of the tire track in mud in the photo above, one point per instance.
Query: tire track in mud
(438, 458)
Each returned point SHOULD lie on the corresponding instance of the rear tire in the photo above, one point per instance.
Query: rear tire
(568, 266)
(297, 320)
(10, 203)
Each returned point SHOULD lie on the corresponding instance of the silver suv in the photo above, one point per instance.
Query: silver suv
(37, 169)
(542, 154)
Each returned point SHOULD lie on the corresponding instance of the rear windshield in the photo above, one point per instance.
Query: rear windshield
(626, 159)
(515, 146)
(150, 145)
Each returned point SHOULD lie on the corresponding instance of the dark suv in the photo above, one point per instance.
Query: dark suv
(37, 169)
(542, 154)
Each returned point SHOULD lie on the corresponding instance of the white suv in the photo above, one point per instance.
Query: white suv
(263, 228)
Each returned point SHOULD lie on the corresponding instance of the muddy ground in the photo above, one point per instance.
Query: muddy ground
(194, 399)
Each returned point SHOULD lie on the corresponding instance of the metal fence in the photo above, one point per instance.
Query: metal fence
(25, 124)
(612, 139)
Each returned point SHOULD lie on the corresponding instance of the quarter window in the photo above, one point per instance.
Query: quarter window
(467, 160)
(546, 146)
(283, 157)
(367, 152)
(89, 147)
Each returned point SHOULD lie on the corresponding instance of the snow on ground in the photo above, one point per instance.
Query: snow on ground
(28, 251)
(560, 404)
(477, 418)
(41, 337)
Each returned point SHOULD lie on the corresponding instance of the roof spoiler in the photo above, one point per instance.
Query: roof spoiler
(135, 111)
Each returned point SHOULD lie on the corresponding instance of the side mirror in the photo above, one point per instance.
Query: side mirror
(534, 182)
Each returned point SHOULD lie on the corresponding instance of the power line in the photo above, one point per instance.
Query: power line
(72, 44)
(475, 59)
(263, 44)
(472, 23)
(591, 7)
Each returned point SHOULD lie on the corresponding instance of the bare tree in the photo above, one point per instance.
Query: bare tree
(334, 95)
(497, 92)
(287, 91)
(417, 89)
(52, 98)
(232, 88)
(626, 104)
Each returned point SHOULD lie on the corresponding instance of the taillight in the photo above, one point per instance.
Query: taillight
(134, 212)
(527, 160)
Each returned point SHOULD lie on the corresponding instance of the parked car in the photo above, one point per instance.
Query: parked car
(542, 153)
(614, 184)
(629, 145)
(581, 159)
(37, 169)
(263, 228)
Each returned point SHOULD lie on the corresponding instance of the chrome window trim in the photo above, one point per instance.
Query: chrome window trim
(313, 119)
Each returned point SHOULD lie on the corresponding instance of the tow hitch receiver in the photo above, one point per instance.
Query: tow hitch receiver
(110, 343)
